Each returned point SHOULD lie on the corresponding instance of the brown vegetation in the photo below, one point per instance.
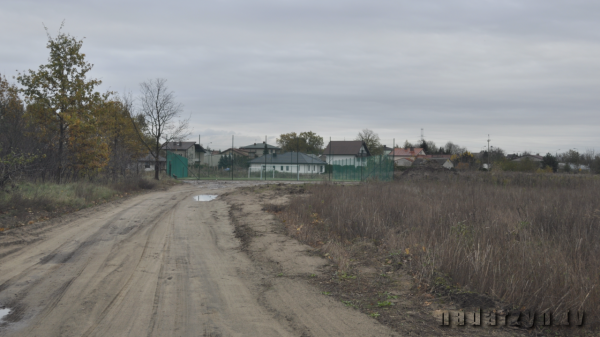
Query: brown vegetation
(524, 239)
(27, 202)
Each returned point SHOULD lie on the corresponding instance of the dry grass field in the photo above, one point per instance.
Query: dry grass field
(29, 202)
(529, 240)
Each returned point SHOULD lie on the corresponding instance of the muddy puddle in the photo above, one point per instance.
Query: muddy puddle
(3, 313)
(205, 197)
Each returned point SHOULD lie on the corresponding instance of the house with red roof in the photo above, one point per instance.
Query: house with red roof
(411, 152)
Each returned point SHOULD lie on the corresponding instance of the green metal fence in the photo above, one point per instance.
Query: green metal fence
(362, 169)
(176, 165)
(354, 169)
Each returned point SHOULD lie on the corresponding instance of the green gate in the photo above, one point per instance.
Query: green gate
(177, 166)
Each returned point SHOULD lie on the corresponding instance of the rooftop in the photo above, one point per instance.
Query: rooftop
(345, 147)
(260, 146)
(178, 145)
(399, 152)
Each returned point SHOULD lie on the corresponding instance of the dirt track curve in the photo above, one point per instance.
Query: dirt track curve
(158, 264)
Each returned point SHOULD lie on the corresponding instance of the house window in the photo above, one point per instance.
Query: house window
(147, 166)
(287, 168)
(321, 168)
(282, 168)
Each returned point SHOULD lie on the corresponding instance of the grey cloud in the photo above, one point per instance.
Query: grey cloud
(525, 71)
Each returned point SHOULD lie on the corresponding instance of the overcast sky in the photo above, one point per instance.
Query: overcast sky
(526, 72)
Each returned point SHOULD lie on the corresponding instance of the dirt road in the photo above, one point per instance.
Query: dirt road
(162, 264)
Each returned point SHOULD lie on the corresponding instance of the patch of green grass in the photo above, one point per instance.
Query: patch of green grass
(390, 296)
(384, 304)
(327, 293)
(345, 276)
(350, 304)
(375, 315)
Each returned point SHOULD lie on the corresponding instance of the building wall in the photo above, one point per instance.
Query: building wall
(403, 162)
(291, 168)
(211, 160)
(344, 159)
(329, 159)
(448, 164)
(190, 154)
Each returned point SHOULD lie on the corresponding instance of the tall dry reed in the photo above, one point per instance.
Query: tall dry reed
(529, 240)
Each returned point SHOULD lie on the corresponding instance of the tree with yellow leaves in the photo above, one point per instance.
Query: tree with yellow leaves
(61, 103)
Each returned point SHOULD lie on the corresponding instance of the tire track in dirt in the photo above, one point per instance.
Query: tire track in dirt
(120, 295)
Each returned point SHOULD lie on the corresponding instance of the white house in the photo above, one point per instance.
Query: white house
(346, 152)
(289, 162)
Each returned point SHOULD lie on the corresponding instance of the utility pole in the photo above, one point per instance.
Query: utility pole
(231, 157)
(488, 154)
(329, 157)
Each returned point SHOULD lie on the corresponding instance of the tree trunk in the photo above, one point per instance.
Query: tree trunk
(156, 167)
(61, 140)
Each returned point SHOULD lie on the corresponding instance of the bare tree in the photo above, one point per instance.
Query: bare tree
(452, 148)
(371, 139)
(161, 114)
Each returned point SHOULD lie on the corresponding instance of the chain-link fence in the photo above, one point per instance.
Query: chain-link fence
(363, 168)
(342, 161)
(350, 169)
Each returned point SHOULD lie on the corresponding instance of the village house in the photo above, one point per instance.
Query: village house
(190, 150)
(444, 162)
(387, 150)
(346, 151)
(289, 162)
(235, 152)
(411, 152)
(257, 149)
(148, 163)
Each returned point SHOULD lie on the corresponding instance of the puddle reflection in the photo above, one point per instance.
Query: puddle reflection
(3, 313)
(205, 197)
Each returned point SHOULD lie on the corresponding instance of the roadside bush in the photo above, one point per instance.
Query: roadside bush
(145, 184)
